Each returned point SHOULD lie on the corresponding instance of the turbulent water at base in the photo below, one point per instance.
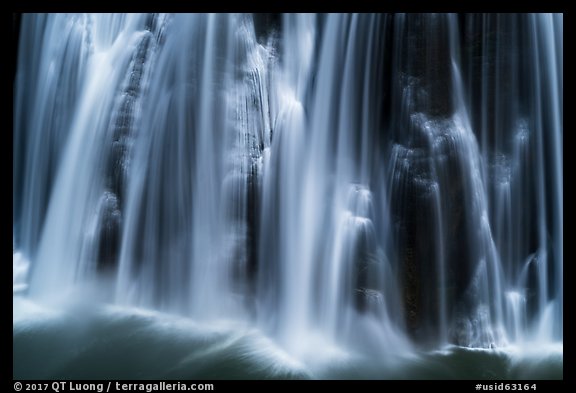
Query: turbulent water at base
(306, 196)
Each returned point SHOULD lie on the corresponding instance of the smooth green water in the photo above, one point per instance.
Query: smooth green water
(82, 342)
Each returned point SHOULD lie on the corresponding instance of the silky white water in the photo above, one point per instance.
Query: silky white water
(345, 185)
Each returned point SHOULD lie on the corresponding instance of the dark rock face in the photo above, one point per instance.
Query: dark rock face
(426, 64)
(117, 166)
(109, 234)
(431, 187)
(420, 93)
(265, 23)
(433, 265)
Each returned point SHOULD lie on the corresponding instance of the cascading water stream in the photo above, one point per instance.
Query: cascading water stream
(359, 184)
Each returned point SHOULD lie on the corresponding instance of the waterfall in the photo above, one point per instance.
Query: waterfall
(373, 183)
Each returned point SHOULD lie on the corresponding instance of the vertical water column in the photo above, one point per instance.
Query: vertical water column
(284, 279)
(545, 102)
(52, 62)
(514, 76)
(324, 213)
(195, 165)
(69, 240)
